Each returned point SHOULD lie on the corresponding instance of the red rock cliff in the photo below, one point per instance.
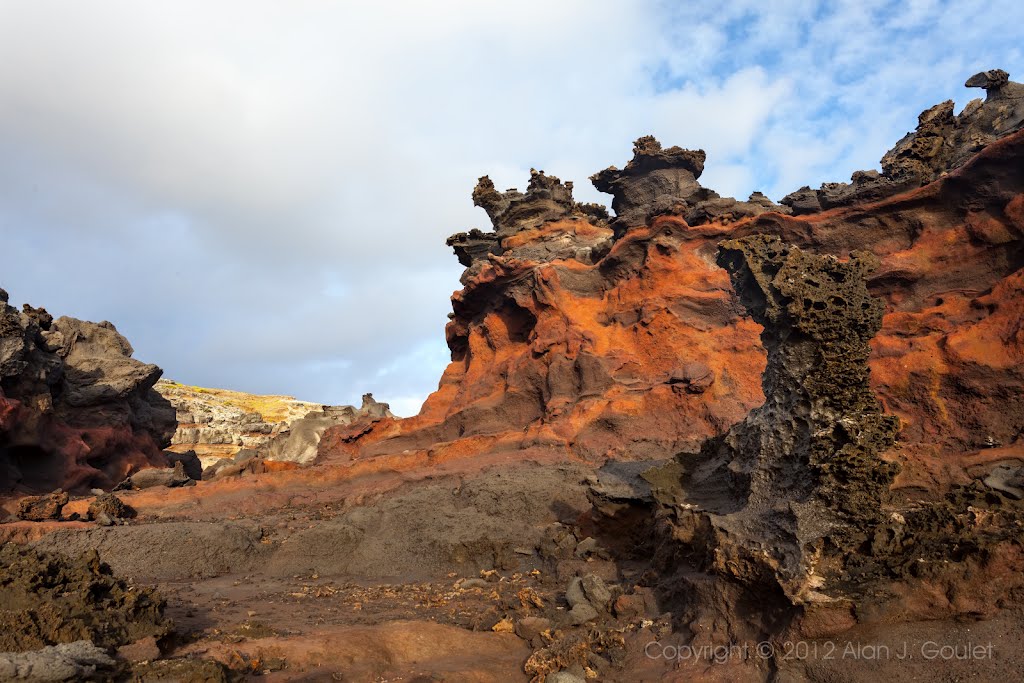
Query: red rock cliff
(624, 338)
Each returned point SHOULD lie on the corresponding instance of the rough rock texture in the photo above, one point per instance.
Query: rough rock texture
(801, 477)
(301, 442)
(110, 506)
(40, 508)
(646, 352)
(221, 426)
(46, 599)
(943, 141)
(77, 661)
(664, 181)
(76, 410)
(217, 423)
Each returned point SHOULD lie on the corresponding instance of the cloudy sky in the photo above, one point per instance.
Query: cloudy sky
(257, 193)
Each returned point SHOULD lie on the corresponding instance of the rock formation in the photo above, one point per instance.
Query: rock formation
(227, 428)
(943, 141)
(701, 423)
(76, 410)
(661, 181)
(217, 423)
(801, 476)
(624, 339)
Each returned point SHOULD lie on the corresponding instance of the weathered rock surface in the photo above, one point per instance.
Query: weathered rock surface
(47, 599)
(943, 141)
(77, 661)
(801, 477)
(217, 423)
(660, 181)
(646, 352)
(41, 508)
(76, 410)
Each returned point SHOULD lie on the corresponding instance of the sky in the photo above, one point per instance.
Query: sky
(258, 193)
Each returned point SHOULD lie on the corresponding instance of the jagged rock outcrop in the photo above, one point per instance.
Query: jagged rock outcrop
(660, 181)
(943, 141)
(517, 219)
(76, 410)
(646, 352)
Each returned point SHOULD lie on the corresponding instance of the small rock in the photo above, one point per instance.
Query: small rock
(42, 508)
(1006, 480)
(596, 591)
(582, 613)
(142, 650)
(597, 662)
(529, 628)
(574, 594)
(157, 476)
(564, 677)
(111, 507)
(503, 626)
(190, 463)
(629, 606)
(472, 583)
(586, 547)
(103, 519)
(80, 660)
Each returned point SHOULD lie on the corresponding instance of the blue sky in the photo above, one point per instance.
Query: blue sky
(257, 193)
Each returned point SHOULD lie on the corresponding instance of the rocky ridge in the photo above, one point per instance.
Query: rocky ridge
(218, 424)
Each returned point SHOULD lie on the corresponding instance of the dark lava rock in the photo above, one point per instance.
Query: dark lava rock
(110, 505)
(190, 463)
(48, 599)
(42, 508)
(66, 382)
(942, 142)
(664, 181)
(802, 472)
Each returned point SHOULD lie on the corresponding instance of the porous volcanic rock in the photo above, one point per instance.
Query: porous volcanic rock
(46, 599)
(792, 509)
(76, 410)
(802, 475)
(41, 508)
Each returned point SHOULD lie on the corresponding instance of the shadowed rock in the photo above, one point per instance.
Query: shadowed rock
(76, 410)
(46, 599)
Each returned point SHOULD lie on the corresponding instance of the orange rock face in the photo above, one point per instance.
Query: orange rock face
(636, 347)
